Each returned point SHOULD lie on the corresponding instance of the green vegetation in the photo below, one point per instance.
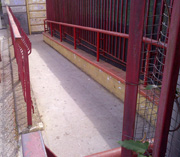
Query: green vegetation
(136, 146)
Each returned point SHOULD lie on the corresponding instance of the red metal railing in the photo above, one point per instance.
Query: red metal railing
(52, 26)
(61, 28)
(107, 15)
(153, 60)
(22, 48)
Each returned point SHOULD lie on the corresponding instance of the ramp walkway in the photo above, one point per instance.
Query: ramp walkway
(80, 116)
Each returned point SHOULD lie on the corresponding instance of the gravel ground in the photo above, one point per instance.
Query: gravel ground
(8, 128)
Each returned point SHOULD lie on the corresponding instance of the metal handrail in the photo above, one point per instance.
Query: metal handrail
(146, 40)
(117, 34)
(22, 48)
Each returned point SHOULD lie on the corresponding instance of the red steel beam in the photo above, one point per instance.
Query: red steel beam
(137, 12)
(169, 83)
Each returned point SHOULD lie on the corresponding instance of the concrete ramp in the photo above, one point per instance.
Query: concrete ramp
(80, 116)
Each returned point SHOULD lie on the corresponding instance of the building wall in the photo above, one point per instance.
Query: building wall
(30, 13)
(19, 9)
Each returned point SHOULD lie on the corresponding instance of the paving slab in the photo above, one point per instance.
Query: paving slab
(79, 115)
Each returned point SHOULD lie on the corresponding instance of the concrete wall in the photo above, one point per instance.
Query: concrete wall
(19, 9)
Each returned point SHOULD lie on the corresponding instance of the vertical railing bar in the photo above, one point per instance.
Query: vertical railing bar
(120, 43)
(113, 23)
(145, 31)
(89, 21)
(104, 46)
(97, 46)
(74, 38)
(85, 19)
(117, 19)
(124, 43)
(94, 23)
(110, 38)
(91, 15)
(147, 65)
(102, 8)
(60, 31)
(160, 20)
(51, 29)
(107, 24)
(154, 13)
(44, 27)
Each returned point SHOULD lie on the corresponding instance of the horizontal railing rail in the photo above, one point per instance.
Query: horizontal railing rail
(116, 34)
(50, 26)
(22, 48)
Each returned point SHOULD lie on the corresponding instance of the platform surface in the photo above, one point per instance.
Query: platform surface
(80, 116)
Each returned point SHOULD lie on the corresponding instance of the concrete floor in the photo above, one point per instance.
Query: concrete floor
(80, 116)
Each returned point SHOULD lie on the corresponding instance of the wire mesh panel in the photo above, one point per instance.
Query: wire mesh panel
(156, 27)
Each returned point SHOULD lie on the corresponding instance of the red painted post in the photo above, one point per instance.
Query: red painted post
(121, 22)
(137, 9)
(74, 37)
(147, 65)
(60, 32)
(125, 23)
(44, 27)
(169, 82)
(51, 30)
(97, 46)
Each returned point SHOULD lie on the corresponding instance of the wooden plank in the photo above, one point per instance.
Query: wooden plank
(37, 7)
(36, 1)
(37, 28)
(38, 14)
(37, 21)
